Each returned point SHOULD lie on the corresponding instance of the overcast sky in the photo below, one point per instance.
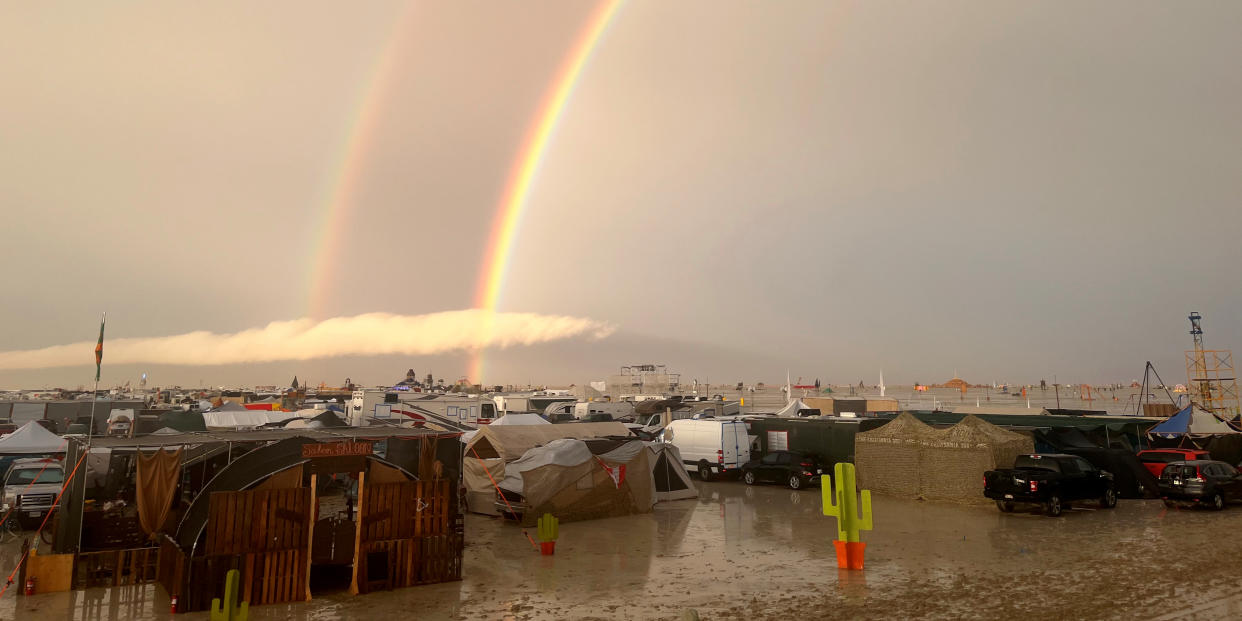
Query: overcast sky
(1007, 190)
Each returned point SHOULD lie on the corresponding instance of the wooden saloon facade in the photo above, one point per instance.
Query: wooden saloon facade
(381, 506)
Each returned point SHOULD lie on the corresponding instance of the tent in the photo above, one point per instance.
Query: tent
(582, 480)
(668, 473)
(909, 458)
(797, 408)
(492, 445)
(31, 439)
(1192, 420)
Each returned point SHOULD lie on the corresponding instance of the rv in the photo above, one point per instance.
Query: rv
(537, 403)
(378, 406)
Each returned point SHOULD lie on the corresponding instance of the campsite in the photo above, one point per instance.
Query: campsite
(343, 511)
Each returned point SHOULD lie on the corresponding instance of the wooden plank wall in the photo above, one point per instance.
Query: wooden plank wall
(409, 535)
(266, 532)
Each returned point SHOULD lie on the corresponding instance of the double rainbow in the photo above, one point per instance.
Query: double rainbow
(361, 131)
(514, 200)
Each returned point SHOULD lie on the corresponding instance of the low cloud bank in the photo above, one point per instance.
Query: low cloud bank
(306, 339)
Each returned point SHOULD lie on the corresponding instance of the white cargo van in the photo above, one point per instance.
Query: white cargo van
(710, 446)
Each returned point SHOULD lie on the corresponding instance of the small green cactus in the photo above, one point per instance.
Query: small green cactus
(230, 611)
(845, 506)
(549, 527)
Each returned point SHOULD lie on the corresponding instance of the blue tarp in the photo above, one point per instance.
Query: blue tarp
(1176, 424)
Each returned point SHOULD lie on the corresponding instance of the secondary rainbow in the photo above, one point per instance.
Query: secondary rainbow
(513, 203)
(359, 133)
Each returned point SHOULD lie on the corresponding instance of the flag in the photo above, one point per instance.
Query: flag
(99, 350)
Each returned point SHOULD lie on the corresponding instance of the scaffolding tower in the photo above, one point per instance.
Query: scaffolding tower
(1210, 375)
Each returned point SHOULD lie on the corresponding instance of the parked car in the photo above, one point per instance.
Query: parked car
(1206, 483)
(712, 447)
(1156, 459)
(797, 470)
(1052, 481)
(31, 486)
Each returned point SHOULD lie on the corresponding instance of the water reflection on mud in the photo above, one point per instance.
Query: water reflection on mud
(765, 552)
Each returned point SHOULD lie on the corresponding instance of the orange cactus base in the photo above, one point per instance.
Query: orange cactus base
(849, 554)
(547, 548)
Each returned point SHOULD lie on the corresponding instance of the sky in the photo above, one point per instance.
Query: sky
(1007, 191)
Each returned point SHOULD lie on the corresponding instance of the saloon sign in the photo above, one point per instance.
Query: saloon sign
(336, 449)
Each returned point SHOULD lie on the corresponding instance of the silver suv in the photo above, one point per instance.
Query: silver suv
(30, 488)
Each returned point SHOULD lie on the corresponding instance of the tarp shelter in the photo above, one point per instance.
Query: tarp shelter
(495, 444)
(1131, 478)
(512, 441)
(510, 419)
(183, 421)
(31, 439)
(909, 458)
(1193, 420)
(583, 480)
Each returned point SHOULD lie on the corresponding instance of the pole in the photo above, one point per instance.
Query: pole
(90, 433)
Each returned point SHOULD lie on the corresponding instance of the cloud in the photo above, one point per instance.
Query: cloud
(306, 339)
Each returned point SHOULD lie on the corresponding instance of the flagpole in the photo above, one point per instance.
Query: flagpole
(90, 428)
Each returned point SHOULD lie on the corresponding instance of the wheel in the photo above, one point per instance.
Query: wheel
(1109, 499)
(1218, 502)
(795, 481)
(1170, 504)
(705, 471)
(1053, 507)
(1004, 506)
(749, 477)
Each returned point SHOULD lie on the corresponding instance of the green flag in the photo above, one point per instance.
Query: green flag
(99, 350)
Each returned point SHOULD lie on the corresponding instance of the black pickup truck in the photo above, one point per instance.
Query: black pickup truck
(1050, 480)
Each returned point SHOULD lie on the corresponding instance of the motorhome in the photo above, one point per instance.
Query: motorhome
(378, 406)
(537, 403)
(617, 410)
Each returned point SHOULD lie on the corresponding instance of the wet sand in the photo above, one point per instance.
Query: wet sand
(766, 553)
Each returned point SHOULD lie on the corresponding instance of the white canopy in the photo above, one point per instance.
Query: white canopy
(244, 418)
(31, 439)
(791, 409)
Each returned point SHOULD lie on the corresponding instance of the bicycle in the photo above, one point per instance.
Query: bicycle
(10, 530)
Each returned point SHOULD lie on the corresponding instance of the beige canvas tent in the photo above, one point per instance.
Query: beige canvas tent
(492, 446)
(583, 480)
(908, 458)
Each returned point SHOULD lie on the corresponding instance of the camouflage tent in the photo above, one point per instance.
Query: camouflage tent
(909, 458)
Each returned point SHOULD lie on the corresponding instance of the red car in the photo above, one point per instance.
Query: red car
(1156, 459)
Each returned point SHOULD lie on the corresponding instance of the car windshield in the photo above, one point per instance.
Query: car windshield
(1033, 462)
(1179, 471)
(1161, 457)
(24, 476)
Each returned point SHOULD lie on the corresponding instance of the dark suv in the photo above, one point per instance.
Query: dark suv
(797, 470)
(1204, 483)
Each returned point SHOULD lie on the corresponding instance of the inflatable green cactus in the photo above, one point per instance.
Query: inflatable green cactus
(549, 527)
(228, 610)
(845, 505)
(841, 502)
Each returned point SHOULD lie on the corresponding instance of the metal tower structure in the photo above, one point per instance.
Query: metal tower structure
(1210, 376)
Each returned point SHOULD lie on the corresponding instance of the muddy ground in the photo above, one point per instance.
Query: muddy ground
(765, 552)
